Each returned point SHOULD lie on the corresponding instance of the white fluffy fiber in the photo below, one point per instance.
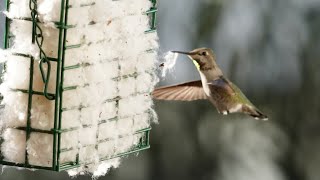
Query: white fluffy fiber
(114, 78)
(170, 60)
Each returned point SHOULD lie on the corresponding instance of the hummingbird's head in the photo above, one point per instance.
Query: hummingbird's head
(203, 58)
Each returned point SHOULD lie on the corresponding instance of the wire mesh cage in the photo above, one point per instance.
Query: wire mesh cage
(53, 67)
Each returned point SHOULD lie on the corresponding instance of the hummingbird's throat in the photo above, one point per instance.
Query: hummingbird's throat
(196, 64)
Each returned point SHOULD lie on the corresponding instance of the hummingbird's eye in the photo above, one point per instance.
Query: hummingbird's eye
(204, 53)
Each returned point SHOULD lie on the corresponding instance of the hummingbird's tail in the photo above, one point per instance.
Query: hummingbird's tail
(256, 113)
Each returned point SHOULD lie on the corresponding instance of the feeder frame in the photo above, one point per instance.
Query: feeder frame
(56, 131)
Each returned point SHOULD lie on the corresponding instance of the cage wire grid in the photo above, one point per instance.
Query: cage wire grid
(57, 130)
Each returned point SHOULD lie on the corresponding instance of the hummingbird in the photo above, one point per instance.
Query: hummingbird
(213, 86)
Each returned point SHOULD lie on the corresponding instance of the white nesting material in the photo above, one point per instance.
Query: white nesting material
(104, 167)
(110, 69)
(71, 99)
(106, 90)
(93, 74)
(88, 136)
(126, 27)
(115, 9)
(14, 145)
(141, 121)
(107, 149)
(88, 154)
(17, 80)
(145, 83)
(15, 114)
(124, 126)
(75, 56)
(68, 156)
(145, 62)
(134, 105)
(73, 77)
(128, 66)
(96, 32)
(89, 96)
(90, 115)
(49, 10)
(152, 40)
(107, 130)
(76, 12)
(70, 139)
(18, 8)
(77, 38)
(98, 52)
(124, 144)
(108, 110)
(127, 87)
(39, 147)
(130, 39)
(106, 10)
(70, 119)
(46, 8)
(102, 31)
(137, 7)
(22, 31)
(4, 55)
(42, 113)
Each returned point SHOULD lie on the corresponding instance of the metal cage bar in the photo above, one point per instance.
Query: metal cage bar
(6, 31)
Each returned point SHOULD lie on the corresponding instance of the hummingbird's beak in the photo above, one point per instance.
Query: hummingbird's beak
(187, 53)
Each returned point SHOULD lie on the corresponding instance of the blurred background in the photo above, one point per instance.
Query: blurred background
(271, 50)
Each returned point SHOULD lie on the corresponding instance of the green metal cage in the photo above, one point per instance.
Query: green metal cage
(59, 62)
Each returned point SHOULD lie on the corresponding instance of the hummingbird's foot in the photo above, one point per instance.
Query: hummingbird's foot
(224, 112)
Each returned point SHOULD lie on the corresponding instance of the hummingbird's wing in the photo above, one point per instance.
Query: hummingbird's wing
(189, 91)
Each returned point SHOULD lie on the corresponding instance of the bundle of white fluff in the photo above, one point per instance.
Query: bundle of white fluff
(110, 100)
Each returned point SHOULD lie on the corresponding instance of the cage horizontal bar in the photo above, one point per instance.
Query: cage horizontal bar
(72, 67)
(25, 19)
(68, 166)
(34, 130)
(51, 131)
(123, 136)
(25, 165)
(63, 26)
(126, 153)
(31, 92)
(84, 5)
(69, 88)
(151, 31)
(60, 131)
(152, 10)
(57, 24)
(72, 46)
(29, 56)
